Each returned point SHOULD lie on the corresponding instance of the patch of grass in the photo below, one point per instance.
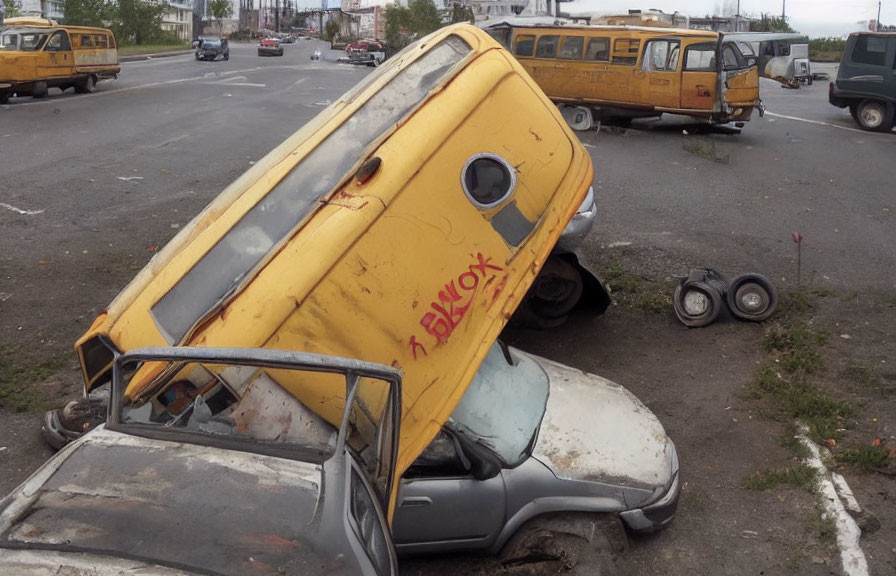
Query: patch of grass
(705, 148)
(800, 476)
(17, 380)
(797, 347)
(851, 295)
(861, 374)
(634, 291)
(864, 458)
(824, 528)
(790, 441)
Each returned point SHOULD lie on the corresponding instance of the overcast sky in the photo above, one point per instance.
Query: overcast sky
(812, 17)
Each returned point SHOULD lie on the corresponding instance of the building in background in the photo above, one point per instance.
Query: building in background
(723, 23)
(53, 9)
(652, 18)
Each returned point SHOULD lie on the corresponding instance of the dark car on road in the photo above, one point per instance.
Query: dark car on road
(270, 47)
(866, 80)
(212, 47)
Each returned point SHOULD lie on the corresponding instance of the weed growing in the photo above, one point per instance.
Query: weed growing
(636, 292)
(864, 458)
(17, 380)
(799, 476)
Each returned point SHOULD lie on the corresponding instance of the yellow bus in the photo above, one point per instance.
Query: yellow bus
(38, 54)
(630, 71)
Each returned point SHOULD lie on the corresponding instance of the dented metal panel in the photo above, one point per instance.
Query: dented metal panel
(594, 429)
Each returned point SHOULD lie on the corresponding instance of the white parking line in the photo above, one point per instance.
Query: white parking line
(848, 532)
(12, 208)
(820, 123)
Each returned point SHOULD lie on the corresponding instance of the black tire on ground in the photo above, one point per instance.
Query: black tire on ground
(752, 297)
(573, 543)
(86, 86)
(713, 301)
(874, 116)
(4, 97)
(39, 90)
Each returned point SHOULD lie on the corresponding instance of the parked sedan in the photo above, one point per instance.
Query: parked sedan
(217, 469)
(270, 47)
(530, 438)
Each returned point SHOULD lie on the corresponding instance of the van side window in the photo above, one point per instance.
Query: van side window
(547, 47)
(100, 41)
(700, 57)
(731, 57)
(58, 42)
(86, 41)
(572, 47)
(598, 49)
(870, 50)
(625, 51)
(525, 45)
(660, 55)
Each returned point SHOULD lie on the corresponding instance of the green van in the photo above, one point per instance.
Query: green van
(866, 80)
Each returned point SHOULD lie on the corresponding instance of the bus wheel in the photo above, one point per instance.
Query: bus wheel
(86, 85)
(39, 90)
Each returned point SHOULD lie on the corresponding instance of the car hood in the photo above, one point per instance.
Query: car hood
(594, 429)
(178, 505)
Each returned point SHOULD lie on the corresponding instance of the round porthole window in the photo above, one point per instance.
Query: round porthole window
(488, 180)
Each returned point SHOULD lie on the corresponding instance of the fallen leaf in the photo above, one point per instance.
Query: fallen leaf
(43, 261)
(876, 442)
(152, 247)
(164, 170)
(830, 442)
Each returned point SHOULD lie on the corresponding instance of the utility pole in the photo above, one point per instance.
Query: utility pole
(277, 17)
(877, 22)
(784, 10)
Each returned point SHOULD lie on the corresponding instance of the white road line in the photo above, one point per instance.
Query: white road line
(820, 123)
(848, 532)
(12, 208)
(253, 85)
(299, 81)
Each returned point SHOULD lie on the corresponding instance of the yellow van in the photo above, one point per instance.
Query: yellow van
(37, 54)
(403, 225)
(630, 71)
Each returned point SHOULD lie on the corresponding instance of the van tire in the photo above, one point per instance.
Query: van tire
(874, 116)
(39, 90)
(86, 86)
(4, 97)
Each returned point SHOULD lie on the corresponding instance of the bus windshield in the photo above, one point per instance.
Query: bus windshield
(22, 40)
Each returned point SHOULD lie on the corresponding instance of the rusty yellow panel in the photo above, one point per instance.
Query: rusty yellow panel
(743, 88)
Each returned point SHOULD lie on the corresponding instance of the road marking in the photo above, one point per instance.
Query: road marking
(848, 532)
(12, 208)
(820, 123)
(299, 81)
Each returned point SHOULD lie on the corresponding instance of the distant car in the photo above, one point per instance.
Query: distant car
(866, 80)
(289, 40)
(270, 47)
(316, 55)
(212, 47)
(368, 53)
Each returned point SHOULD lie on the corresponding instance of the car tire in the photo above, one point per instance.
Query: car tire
(756, 285)
(874, 116)
(572, 543)
(39, 90)
(714, 304)
(86, 86)
(556, 290)
(227, 56)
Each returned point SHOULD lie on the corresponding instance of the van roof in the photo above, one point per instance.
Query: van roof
(560, 24)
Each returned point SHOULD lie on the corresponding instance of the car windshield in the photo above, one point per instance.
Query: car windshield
(503, 406)
(213, 43)
(23, 40)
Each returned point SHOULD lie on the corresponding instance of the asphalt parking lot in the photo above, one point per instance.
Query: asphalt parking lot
(93, 185)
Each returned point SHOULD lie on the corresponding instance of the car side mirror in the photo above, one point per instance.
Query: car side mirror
(482, 463)
(196, 44)
(751, 61)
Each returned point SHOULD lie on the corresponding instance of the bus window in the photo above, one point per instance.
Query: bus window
(501, 35)
(86, 41)
(572, 47)
(731, 57)
(101, 41)
(625, 51)
(525, 45)
(660, 55)
(547, 47)
(700, 57)
(598, 49)
(58, 42)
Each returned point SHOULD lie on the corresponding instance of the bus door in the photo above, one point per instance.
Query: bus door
(699, 76)
(659, 77)
(57, 59)
(740, 77)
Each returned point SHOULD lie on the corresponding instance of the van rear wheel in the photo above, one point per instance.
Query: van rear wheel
(874, 116)
(86, 85)
(39, 90)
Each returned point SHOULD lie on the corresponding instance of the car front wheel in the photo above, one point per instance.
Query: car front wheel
(874, 116)
(572, 543)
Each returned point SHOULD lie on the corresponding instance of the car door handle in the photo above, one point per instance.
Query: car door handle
(416, 501)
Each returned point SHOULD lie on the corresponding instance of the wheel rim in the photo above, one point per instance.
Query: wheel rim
(872, 116)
